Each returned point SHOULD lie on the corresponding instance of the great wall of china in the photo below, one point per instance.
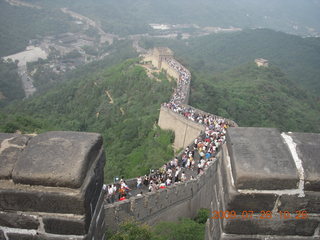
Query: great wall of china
(263, 184)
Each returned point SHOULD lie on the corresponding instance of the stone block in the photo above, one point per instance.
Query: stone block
(273, 226)
(180, 192)
(260, 159)
(41, 200)
(41, 236)
(140, 211)
(308, 148)
(188, 189)
(194, 186)
(162, 198)
(18, 220)
(123, 210)
(153, 203)
(65, 225)
(111, 217)
(265, 237)
(310, 203)
(11, 146)
(58, 159)
(16, 197)
(171, 198)
(232, 199)
(22, 236)
(240, 237)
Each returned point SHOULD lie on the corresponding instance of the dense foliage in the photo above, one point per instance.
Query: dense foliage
(121, 103)
(257, 96)
(10, 83)
(184, 229)
(296, 56)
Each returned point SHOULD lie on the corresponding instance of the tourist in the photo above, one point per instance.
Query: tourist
(205, 146)
(139, 182)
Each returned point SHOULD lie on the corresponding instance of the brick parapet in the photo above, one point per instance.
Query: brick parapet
(179, 200)
(51, 185)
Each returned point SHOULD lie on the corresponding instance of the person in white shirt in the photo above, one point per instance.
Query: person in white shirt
(183, 177)
(168, 182)
(139, 182)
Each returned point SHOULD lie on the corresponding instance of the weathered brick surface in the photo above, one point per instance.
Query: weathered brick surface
(59, 159)
(11, 146)
(65, 226)
(308, 148)
(41, 200)
(310, 203)
(40, 236)
(265, 237)
(232, 198)
(54, 172)
(18, 220)
(260, 159)
(20, 236)
(273, 226)
(237, 201)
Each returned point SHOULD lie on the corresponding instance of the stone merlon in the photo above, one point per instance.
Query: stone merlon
(49, 180)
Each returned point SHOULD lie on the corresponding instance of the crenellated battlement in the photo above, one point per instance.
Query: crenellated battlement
(262, 184)
(50, 186)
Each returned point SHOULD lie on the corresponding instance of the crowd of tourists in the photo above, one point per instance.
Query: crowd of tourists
(194, 159)
(180, 93)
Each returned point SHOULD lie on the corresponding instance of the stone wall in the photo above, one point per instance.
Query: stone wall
(185, 131)
(50, 186)
(171, 72)
(262, 170)
(178, 200)
(158, 61)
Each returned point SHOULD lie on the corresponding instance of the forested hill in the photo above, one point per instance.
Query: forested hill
(257, 96)
(120, 102)
(298, 57)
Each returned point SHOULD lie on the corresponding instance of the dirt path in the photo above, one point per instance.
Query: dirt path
(109, 96)
(122, 111)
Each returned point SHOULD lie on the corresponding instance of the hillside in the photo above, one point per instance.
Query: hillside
(298, 57)
(253, 96)
(121, 103)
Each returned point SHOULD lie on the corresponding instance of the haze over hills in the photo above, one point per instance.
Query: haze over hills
(257, 96)
(121, 103)
(127, 17)
(298, 57)
(73, 33)
(22, 23)
(89, 77)
(225, 81)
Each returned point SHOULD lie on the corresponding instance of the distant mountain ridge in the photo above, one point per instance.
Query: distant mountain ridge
(132, 17)
(298, 57)
(257, 97)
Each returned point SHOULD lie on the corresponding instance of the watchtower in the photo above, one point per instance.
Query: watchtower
(161, 54)
(261, 62)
